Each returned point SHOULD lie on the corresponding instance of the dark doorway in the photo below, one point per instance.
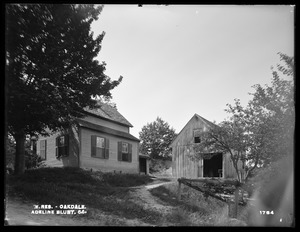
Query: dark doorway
(143, 165)
(213, 167)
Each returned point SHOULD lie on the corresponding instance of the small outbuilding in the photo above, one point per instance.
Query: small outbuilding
(144, 163)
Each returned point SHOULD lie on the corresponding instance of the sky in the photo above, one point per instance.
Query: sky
(178, 60)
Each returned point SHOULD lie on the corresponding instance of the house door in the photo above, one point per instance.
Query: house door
(143, 165)
(213, 167)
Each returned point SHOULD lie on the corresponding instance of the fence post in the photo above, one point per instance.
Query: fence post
(236, 202)
(230, 209)
(179, 190)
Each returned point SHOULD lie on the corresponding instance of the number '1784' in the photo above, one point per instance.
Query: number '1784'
(263, 212)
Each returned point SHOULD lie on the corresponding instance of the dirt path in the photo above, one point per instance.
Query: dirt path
(18, 212)
(149, 201)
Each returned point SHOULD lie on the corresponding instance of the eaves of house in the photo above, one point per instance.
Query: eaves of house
(106, 130)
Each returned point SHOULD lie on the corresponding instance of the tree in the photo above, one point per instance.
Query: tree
(51, 71)
(270, 115)
(274, 107)
(262, 132)
(156, 138)
(32, 160)
(227, 137)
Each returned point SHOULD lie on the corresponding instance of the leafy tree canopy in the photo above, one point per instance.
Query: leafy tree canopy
(156, 138)
(51, 70)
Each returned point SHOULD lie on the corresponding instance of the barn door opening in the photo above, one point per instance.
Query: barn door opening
(212, 165)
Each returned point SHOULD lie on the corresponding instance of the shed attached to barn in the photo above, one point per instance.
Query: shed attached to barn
(214, 165)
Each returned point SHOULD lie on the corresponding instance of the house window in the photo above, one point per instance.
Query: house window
(125, 155)
(62, 146)
(33, 146)
(62, 140)
(100, 142)
(124, 151)
(125, 148)
(43, 149)
(99, 147)
(197, 136)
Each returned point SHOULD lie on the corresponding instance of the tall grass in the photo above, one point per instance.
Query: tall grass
(193, 209)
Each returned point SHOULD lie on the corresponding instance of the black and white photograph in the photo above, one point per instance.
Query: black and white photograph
(149, 115)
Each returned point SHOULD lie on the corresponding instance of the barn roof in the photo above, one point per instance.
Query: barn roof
(108, 112)
(208, 123)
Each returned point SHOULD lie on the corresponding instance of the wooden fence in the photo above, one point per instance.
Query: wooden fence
(232, 185)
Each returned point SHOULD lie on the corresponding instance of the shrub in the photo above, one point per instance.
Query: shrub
(159, 165)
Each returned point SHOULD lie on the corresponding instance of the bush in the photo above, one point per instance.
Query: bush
(32, 160)
(159, 165)
(265, 175)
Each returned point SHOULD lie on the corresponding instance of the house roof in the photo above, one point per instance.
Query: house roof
(208, 123)
(106, 130)
(109, 113)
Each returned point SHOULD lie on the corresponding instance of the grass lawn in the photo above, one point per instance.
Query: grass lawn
(111, 194)
(95, 190)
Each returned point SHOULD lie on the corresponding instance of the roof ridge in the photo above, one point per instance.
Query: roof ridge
(205, 120)
(100, 107)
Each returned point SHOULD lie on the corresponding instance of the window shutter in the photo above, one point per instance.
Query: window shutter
(120, 151)
(45, 149)
(106, 153)
(129, 152)
(66, 140)
(93, 145)
(66, 145)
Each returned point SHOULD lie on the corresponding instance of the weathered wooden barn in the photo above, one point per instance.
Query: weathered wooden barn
(219, 165)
